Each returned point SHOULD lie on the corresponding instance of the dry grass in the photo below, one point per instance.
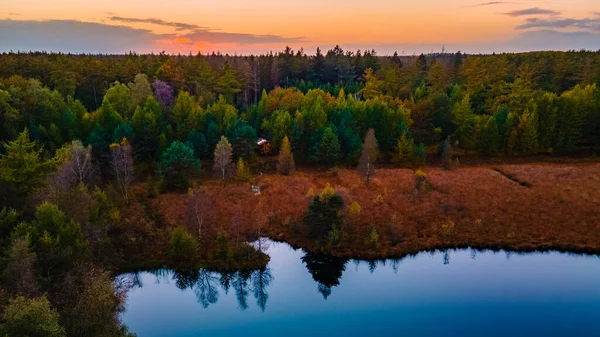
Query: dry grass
(557, 208)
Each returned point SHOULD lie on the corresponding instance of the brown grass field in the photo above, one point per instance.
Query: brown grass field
(537, 206)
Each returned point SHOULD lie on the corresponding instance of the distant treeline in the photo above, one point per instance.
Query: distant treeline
(492, 104)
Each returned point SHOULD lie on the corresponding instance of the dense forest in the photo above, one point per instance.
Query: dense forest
(78, 131)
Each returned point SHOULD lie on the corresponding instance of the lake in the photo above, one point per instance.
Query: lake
(452, 293)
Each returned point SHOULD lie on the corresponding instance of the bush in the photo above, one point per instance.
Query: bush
(32, 318)
(372, 240)
(447, 229)
(224, 252)
(310, 193)
(183, 247)
(354, 209)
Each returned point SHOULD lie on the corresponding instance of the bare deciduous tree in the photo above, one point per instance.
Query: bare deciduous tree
(368, 156)
(223, 167)
(81, 165)
(122, 164)
(77, 168)
(197, 205)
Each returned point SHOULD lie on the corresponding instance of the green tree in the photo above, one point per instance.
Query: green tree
(184, 107)
(404, 151)
(177, 164)
(373, 86)
(243, 139)
(58, 241)
(119, 96)
(31, 318)
(227, 84)
(489, 142)
(139, 89)
(329, 149)
(22, 166)
(197, 141)
(242, 171)
(285, 161)
(183, 247)
(528, 140)
(19, 276)
(324, 213)
(107, 116)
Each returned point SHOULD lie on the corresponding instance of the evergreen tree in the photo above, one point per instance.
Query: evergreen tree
(489, 143)
(286, 165)
(242, 171)
(329, 149)
(243, 139)
(197, 141)
(177, 164)
(528, 140)
(31, 317)
(22, 166)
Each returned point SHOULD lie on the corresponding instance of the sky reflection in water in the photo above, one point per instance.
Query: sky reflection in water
(454, 293)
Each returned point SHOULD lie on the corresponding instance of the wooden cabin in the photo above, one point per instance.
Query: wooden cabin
(263, 146)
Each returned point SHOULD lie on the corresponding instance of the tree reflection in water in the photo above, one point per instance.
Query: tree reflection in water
(205, 284)
(326, 270)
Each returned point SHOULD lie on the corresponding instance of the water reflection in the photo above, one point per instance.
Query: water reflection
(326, 270)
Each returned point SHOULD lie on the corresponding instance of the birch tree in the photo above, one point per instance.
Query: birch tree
(368, 156)
(223, 167)
(122, 164)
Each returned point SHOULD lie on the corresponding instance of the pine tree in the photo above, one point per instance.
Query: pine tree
(489, 143)
(366, 167)
(528, 140)
(242, 171)
(286, 165)
(22, 165)
(178, 163)
(404, 150)
(329, 150)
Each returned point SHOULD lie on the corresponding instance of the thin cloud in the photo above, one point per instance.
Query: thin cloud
(13, 14)
(492, 3)
(589, 24)
(532, 11)
(495, 3)
(177, 25)
(197, 33)
(72, 36)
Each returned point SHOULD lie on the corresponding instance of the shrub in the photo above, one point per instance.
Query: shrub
(310, 193)
(183, 247)
(372, 240)
(354, 209)
(31, 317)
(447, 229)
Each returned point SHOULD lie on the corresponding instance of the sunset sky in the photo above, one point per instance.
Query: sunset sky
(240, 26)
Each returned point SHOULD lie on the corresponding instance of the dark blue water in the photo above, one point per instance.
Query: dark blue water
(454, 293)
